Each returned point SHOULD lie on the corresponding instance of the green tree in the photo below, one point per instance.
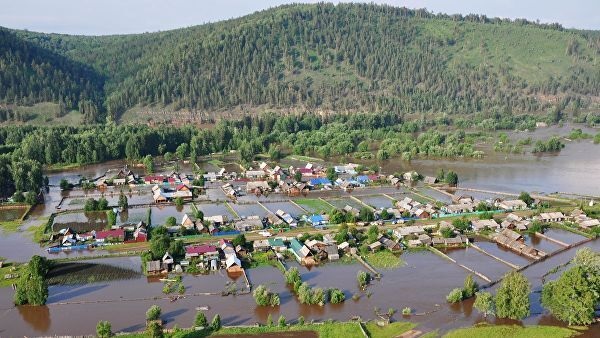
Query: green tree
(149, 164)
(200, 320)
(469, 287)
(298, 176)
(102, 204)
(451, 178)
(525, 197)
(168, 156)
(179, 201)
(182, 151)
(484, 303)
(31, 198)
(512, 297)
(239, 240)
(215, 325)
(366, 215)
(123, 202)
(171, 221)
(336, 296)
(159, 244)
(18, 197)
(103, 329)
(363, 279)
(574, 296)
(32, 287)
(455, 296)
(153, 313)
(281, 321)
(154, 330)
(64, 184)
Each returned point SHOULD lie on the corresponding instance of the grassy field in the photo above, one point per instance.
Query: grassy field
(383, 259)
(12, 269)
(506, 331)
(391, 330)
(314, 205)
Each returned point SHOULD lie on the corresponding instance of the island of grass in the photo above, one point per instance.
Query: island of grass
(10, 273)
(383, 259)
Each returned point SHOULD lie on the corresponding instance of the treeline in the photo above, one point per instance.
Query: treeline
(28, 148)
(347, 57)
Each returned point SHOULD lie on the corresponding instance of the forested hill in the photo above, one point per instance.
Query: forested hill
(349, 57)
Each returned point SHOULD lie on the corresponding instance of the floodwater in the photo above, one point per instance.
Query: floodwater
(421, 283)
(503, 253)
(288, 207)
(564, 236)
(246, 210)
(377, 201)
(478, 261)
(540, 243)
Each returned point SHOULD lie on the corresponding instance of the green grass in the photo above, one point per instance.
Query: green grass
(10, 226)
(507, 331)
(383, 259)
(262, 259)
(314, 205)
(325, 330)
(391, 330)
(10, 268)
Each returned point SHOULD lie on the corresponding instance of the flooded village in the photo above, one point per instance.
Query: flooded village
(413, 233)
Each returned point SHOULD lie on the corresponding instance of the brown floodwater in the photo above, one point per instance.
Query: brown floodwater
(421, 283)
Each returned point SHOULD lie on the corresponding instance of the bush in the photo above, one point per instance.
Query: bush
(215, 325)
(469, 287)
(200, 320)
(336, 296)
(406, 311)
(154, 330)
(455, 296)
(264, 297)
(153, 313)
(363, 279)
(301, 320)
(103, 329)
(281, 321)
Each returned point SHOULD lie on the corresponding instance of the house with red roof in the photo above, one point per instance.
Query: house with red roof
(206, 252)
(107, 235)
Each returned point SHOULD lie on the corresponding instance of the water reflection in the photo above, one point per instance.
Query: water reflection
(37, 317)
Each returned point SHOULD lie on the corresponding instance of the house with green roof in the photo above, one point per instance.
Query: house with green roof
(301, 252)
(277, 244)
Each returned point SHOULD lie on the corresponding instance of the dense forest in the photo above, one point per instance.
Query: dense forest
(323, 57)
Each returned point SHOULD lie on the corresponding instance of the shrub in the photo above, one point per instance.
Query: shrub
(153, 312)
(455, 296)
(281, 321)
(469, 287)
(406, 311)
(200, 320)
(336, 296)
(103, 329)
(363, 279)
(216, 323)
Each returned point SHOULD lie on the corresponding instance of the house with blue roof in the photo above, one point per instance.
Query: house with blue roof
(318, 220)
(363, 179)
(319, 181)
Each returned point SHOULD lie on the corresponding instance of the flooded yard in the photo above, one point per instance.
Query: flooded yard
(503, 253)
(540, 243)
(564, 236)
(161, 213)
(342, 202)
(214, 209)
(288, 207)
(377, 201)
(81, 221)
(478, 261)
(246, 210)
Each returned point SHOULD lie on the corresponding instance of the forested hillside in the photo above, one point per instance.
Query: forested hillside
(349, 57)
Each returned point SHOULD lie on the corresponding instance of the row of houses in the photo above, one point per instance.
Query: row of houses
(67, 237)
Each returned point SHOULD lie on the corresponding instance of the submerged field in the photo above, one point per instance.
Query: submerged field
(83, 273)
